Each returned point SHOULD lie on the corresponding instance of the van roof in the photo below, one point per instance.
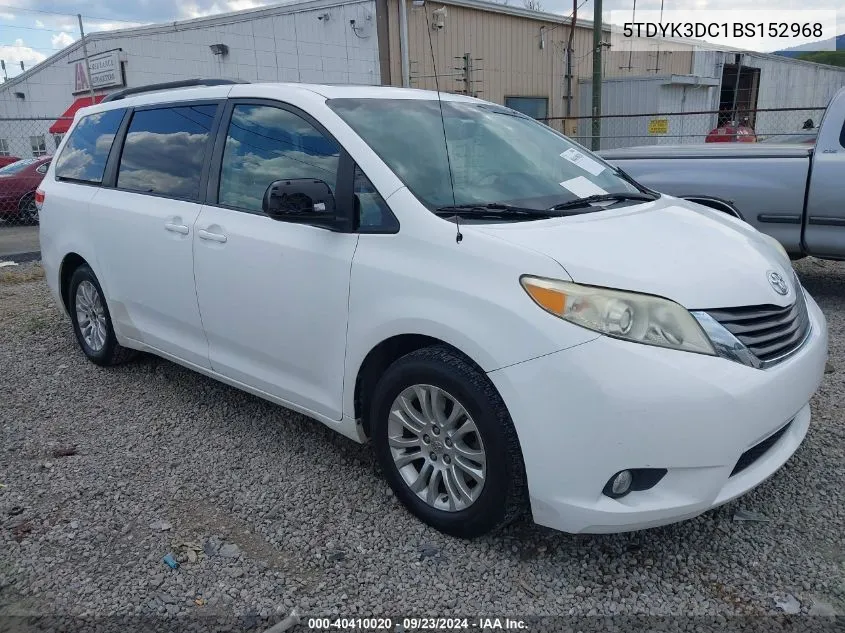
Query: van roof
(280, 90)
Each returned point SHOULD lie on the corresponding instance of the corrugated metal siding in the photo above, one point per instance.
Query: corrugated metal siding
(513, 62)
(647, 95)
(787, 83)
(784, 83)
(620, 63)
(510, 60)
(683, 129)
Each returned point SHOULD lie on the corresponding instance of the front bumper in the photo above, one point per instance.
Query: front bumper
(585, 413)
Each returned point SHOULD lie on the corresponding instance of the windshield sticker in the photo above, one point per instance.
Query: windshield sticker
(584, 162)
(582, 187)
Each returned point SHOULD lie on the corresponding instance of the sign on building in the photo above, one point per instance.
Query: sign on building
(658, 126)
(105, 71)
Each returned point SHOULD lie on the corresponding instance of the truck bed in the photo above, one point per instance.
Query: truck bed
(710, 150)
(765, 182)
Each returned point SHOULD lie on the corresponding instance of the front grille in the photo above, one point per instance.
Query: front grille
(769, 332)
(758, 450)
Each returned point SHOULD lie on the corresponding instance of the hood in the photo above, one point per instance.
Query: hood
(699, 257)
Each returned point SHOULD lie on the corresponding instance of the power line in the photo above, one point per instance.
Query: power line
(568, 17)
(72, 15)
(35, 28)
(35, 48)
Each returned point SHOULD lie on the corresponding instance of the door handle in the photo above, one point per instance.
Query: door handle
(214, 237)
(176, 228)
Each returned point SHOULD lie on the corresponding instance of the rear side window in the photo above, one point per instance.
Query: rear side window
(165, 149)
(87, 150)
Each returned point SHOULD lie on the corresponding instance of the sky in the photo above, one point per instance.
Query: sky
(32, 30)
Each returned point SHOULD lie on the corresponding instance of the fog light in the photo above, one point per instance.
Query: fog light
(632, 479)
(621, 483)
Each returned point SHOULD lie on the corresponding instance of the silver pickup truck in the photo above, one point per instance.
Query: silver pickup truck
(795, 193)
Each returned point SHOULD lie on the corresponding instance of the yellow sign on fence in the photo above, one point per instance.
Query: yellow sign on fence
(658, 126)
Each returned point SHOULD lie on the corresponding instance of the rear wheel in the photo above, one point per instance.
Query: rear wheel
(28, 210)
(446, 443)
(91, 320)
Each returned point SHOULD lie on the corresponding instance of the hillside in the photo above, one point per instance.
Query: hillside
(821, 47)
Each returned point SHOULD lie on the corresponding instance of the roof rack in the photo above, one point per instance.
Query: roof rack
(167, 85)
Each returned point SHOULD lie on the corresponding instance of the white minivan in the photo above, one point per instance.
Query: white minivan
(512, 322)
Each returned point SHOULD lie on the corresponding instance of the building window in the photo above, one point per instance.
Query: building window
(4, 147)
(39, 145)
(57, 139)
(536, 107)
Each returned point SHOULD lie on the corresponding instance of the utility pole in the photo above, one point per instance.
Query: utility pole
(85, 55)
(595, 140)
(569, 51)
(403, 44)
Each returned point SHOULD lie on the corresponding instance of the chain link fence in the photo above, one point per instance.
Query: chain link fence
(27, 146)
(770, 125)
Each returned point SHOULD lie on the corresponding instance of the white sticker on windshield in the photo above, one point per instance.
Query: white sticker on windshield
(582, 187)
(583, 161)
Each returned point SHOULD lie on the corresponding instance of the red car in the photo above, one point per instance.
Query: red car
(731, 134)
(8, 160)
(18, 183)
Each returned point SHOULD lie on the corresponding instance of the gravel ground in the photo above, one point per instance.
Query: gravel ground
(105, 471)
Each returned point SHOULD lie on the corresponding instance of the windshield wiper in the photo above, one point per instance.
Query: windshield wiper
(492, 210)
(603, 197)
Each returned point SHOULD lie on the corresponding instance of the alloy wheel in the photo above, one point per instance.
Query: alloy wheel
(436, 447)
(90, 315)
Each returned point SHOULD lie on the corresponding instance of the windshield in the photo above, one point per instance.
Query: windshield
(17, 166)
(496, 154)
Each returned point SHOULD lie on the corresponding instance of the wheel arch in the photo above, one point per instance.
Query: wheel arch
(381, 356)
(25, 195)
(714, 202)
(70, 263)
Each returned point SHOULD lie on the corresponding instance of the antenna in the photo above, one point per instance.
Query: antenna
(458, 236)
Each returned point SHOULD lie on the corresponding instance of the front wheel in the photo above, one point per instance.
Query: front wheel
(91, 320)
(446, 443)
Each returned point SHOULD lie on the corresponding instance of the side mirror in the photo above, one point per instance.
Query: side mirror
(301, 200)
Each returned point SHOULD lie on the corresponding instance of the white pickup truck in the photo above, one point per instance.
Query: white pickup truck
(795, 193)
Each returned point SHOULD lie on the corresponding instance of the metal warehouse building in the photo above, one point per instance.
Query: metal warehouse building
(770, 93)
(505, 54)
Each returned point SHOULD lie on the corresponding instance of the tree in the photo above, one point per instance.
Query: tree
(833, 58)
(533, 5)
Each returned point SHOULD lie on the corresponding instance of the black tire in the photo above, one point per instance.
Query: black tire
(504, 496)
(111, 353)
(27, 211)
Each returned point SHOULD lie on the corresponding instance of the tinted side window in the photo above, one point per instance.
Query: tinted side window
(164, 151)
(264, 144)
(85, 154)
(842, 136)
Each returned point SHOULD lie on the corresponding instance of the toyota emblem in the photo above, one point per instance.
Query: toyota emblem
(777, 282)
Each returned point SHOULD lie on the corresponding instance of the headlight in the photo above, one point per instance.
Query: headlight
(626, 315)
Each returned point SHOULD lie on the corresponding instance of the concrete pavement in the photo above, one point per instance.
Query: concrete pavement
(18, 239)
